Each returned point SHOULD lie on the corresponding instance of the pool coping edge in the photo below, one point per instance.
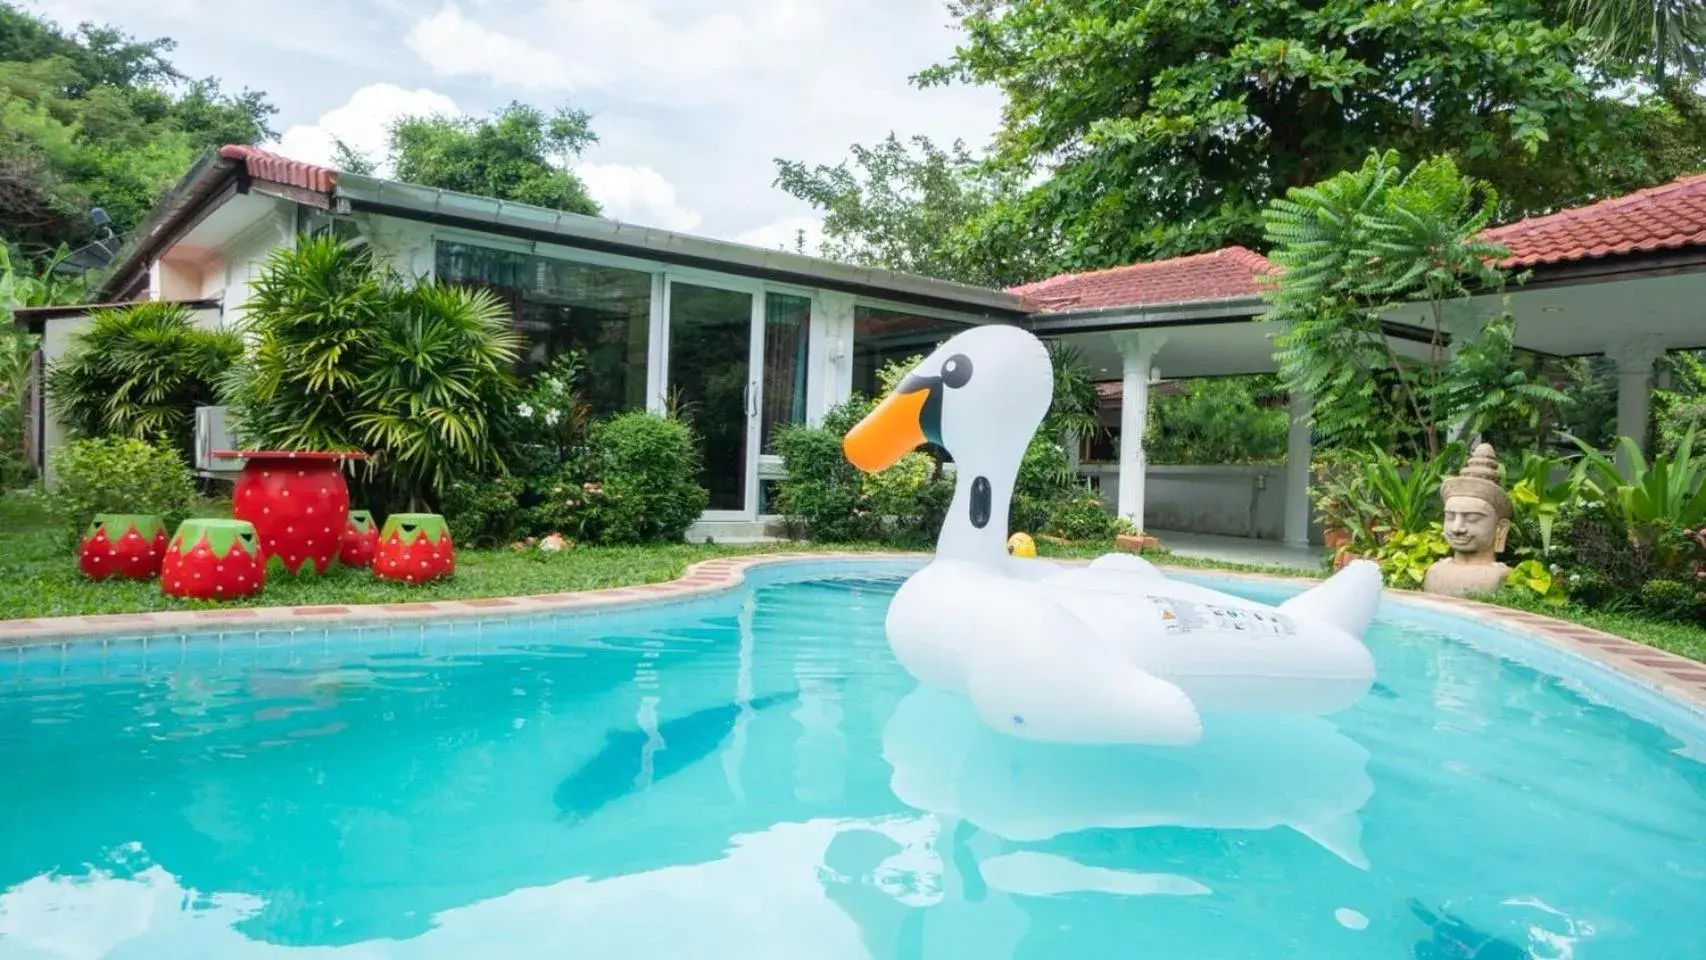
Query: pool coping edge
(1674, 677)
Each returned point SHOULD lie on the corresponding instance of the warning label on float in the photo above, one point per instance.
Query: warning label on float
(1185, 616)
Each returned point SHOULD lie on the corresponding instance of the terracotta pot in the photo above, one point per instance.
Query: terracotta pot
(298, 503)
(130, 546)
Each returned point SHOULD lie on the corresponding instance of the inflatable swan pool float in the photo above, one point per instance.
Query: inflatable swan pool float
(1112, 652)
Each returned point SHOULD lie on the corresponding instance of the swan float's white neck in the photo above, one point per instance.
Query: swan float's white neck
(976, 526)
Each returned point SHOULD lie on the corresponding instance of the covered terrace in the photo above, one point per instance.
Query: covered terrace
(1624, 278)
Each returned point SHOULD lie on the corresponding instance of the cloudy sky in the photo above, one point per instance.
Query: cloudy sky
(692, 99)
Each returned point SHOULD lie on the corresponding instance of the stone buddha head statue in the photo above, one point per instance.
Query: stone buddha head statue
(1477, 510)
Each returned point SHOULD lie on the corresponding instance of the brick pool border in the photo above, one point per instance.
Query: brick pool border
(1677, 678)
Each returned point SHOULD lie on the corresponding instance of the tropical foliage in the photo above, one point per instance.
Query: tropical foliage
(1375, 240)
(518, 153)
(346, 356)
(140, 371)
(96, 118)
(118, 475)
(1218, 420)
(1140, 129)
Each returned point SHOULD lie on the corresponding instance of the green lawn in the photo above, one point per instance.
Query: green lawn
(39, 578)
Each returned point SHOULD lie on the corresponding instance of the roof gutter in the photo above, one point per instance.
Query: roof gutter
(1178, 313)
(522, 221)
(210, 174)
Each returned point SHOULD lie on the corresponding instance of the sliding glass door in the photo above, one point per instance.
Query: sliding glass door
(711, 346)
(737, 368)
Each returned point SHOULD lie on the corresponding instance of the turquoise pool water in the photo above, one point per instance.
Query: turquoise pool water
(751, 775)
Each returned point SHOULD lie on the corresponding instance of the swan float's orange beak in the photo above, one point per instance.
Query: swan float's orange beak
(891, 431)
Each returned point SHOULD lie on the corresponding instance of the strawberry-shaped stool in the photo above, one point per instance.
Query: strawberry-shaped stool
(414, 548)
(130, 546)
(213, 560)
(361, 539)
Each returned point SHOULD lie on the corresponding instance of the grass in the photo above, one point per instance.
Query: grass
(39, 578)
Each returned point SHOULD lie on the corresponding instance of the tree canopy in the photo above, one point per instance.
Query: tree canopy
(520, 153)
(95, 118)
(1144, 129)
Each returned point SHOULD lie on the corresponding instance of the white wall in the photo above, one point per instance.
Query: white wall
(55, 340)
(1233, 501)
(244, 255)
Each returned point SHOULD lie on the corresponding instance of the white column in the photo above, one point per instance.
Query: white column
(1138, 352)
(1635, 385)
(1298, 453)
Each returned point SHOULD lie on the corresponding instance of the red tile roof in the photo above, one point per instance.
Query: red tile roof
(1227, 272)
(1665, 217)
(270, 166)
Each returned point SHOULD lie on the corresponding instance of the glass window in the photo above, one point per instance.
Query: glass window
(558, 305)
(881, 335)
(787, 324)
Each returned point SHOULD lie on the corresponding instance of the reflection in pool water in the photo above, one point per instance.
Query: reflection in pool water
(752, 776)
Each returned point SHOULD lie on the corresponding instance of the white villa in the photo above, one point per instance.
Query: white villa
(763, 338)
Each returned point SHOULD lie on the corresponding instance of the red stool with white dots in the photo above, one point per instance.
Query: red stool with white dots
(414, 548)
(213, 560)
(130, 546)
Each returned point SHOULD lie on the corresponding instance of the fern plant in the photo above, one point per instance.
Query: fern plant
(1352, 249)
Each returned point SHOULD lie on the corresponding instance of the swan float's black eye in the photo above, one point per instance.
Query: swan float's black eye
(957, 371)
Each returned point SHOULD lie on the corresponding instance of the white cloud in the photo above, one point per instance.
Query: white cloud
(782, 234)
(636, 194)
(364, 122)
(709, 95)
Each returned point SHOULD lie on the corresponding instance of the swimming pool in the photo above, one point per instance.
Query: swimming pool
(751, 775)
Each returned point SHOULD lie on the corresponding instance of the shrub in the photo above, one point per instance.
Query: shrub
(648, 472)
(1405, 557)
(16, 352)
(119, 475)
(823, 496)
(484, 513)
(1671, 600)
(141, 371)
(1084, 518)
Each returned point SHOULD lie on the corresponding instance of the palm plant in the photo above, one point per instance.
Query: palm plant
(313, 311)
(1076, 405)
(1663, 33)
(140, 371)
(347, 357)
(430, 382)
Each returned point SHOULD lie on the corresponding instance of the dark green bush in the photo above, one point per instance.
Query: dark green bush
(119, 475)
(648, 471)
(1671, 600)
(822, 497)
(485, 513)
(1083, 518)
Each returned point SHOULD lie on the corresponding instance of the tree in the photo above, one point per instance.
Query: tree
(1355, 246)
(1161, 127)
(520, 153)
(887, 207)
(1663, 34)
(97, 119)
